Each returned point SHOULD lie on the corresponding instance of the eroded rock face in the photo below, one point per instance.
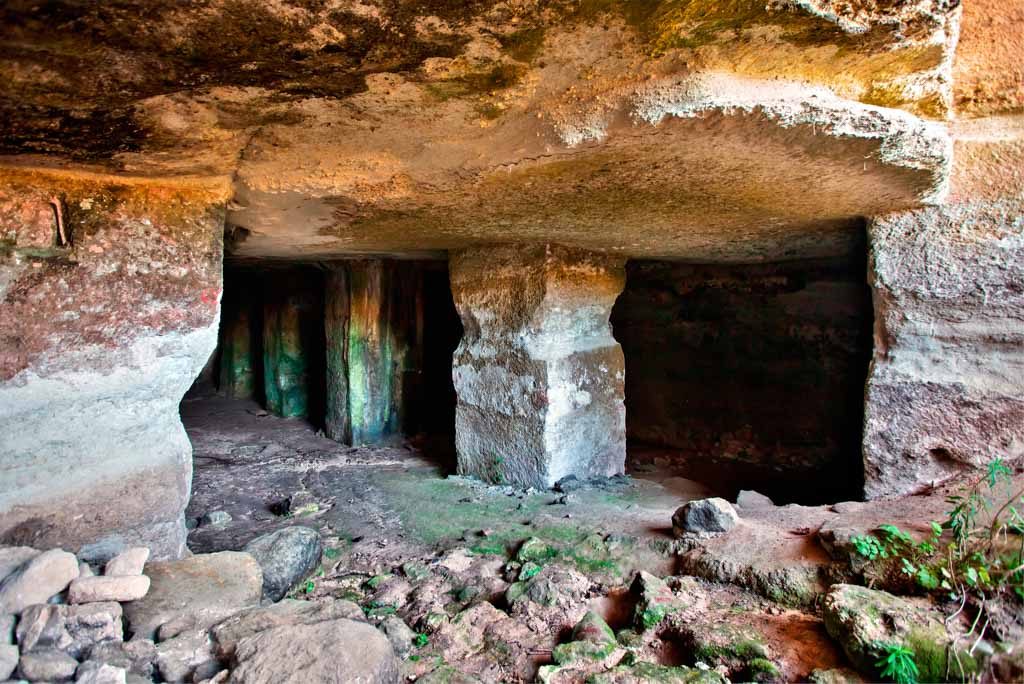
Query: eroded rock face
(539, 376)
(946, 389)
(105, 323)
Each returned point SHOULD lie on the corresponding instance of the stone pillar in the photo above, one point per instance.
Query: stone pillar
(237, 371)
(539, 376)
(946, 386)
(373, 321)
(337, 425)
(101, 335)
(287, 312)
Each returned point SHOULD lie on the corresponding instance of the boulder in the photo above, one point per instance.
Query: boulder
(36, 580)
(286, 557)
(282, 614)
(93, 589)
(100, 673)
(642, 673)
(8, 660)
(750, 500)
(332, 651)
(655, 600)
(47, 665)
(128, 562)
(704, 516)
(863, 621)
(195, 592)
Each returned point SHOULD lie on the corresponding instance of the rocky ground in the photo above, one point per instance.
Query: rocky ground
(319, 562)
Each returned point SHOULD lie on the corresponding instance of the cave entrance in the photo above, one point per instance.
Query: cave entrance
(358, 349)
(748, 376)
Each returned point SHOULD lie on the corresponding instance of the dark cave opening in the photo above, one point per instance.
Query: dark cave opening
(360, 349)
(748, 376)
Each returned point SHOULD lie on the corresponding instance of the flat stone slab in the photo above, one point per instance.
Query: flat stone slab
(196, 592)
(37, 580)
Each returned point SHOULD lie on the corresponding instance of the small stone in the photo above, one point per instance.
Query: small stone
(399, 634)
(92, 589)
(93, 672)
(47, 665)
(216, 518)
(37, 580)
(8, 660)
(704, 516)
(187, 656)
(85, 570)
(129, 562)
(42, 626)
(92, 624)
(750, 500)
(136, 656)
(286, 557)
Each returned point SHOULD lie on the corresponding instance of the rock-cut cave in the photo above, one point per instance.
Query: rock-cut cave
(570, 341)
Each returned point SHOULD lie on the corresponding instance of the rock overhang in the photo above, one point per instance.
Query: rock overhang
(682, 129)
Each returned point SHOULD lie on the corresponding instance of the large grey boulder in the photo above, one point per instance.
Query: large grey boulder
(286, 557)
(704, 516)
(332, 652)
(36, 580)
(195, 592)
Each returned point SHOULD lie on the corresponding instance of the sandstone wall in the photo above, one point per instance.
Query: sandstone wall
(752, 376)
(99, 340)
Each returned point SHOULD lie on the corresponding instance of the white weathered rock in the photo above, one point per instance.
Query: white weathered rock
(128, 562)
(85, 570)
(37, 580)
(47, 665)
(286, 557)
(753, 501)
(93, 589)
(333, 651)
(215, 518)
(704, 516)
(13, 557)
(399, 634)
(9, 657)
(195, 592)
(42, 626)
(100, 673)
(75, 630)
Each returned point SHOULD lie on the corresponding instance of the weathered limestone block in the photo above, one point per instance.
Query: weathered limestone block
(539, 376)
(98, 344)
(946, 386)
(373, 322)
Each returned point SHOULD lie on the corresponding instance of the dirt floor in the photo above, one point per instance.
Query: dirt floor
(403, 537)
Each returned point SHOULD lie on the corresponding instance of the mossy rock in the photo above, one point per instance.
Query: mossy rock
(656, 600)
(446, 674)
(649, 673)
(865, 621)
(537, 551)
(415, 571)
(592, 640)
(739, 649)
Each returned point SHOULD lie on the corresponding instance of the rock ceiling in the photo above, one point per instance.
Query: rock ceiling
(689, 129)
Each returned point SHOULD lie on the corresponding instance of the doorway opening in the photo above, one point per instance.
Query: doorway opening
(748, 376)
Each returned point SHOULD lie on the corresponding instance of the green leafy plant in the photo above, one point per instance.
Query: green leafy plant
(897, 664)
(969, 557)
(420, 640)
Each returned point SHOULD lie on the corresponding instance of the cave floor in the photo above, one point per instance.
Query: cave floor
(378, 509)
